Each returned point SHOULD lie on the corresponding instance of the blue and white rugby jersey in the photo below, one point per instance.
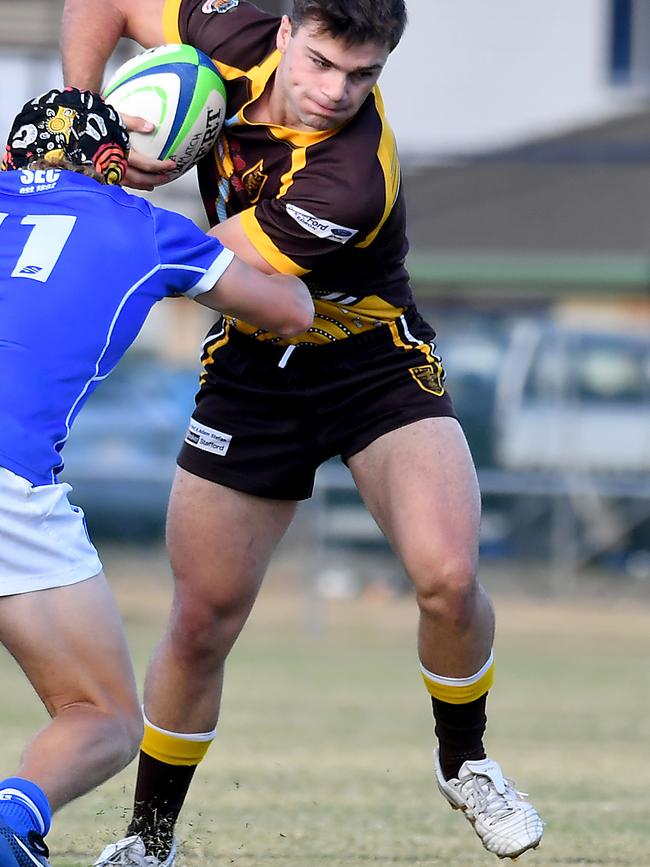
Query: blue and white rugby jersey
(81, 265)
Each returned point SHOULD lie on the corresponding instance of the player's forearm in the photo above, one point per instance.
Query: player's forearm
(89, 33)
(279, 302)
(291, 311)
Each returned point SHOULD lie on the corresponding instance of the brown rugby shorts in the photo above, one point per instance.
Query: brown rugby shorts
(268, 416)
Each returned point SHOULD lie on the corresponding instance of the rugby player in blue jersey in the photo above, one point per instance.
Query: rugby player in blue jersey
(81, 264)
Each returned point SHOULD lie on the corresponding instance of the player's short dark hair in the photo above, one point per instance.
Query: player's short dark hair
(355, 21)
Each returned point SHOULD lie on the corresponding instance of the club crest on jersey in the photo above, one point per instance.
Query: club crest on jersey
(253, 181)
(319, 227)
(429, 377)
(218, 6)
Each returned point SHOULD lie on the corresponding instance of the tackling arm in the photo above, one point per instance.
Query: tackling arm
(277, 302)
(252, 289)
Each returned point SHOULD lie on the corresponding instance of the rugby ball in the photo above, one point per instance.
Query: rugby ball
(179, 90)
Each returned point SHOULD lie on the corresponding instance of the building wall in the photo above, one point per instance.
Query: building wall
(472, 75)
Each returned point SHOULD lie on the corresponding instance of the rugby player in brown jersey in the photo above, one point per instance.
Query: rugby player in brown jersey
(306, 180)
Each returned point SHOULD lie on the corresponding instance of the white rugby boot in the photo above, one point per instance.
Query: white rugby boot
(131, 852)
(502, 817)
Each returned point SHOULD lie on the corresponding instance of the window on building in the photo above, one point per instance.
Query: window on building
(629, 47)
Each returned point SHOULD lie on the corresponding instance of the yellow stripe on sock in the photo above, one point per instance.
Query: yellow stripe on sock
(460, 690)
(174, 749)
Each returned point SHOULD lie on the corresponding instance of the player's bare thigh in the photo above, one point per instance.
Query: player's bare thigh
(220, 540)
(420, 484)
(70, 643)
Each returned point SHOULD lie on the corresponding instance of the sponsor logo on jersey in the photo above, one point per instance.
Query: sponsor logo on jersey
(429, 378)
(39, 180)
(208, 439)
(218, 6)
(319, 227)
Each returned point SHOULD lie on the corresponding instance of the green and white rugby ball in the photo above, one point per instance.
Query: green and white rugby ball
(179, 90)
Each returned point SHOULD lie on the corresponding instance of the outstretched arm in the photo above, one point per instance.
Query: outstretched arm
(275, 302)
(92, 28)
(89, 33)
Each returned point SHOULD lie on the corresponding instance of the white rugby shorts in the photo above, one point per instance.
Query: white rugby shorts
(43, 538)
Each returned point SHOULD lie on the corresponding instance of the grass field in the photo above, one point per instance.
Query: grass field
(324, 750)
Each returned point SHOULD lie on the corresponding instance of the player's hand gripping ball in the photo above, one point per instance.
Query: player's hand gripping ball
(178, 89)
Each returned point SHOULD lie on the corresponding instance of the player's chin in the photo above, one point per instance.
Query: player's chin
(321, 123)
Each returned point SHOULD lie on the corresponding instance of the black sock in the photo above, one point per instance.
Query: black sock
(459, 729)
(160, 790)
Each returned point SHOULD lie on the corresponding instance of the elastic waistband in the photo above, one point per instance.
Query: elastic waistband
(279, 355)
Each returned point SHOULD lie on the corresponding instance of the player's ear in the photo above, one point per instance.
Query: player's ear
(284, 34)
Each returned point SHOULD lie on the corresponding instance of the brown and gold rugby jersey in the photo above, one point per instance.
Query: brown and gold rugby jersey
(324, 205)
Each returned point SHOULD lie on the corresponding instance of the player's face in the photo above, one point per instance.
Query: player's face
(321, 81)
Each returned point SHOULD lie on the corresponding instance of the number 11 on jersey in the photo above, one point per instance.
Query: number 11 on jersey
(44, 245)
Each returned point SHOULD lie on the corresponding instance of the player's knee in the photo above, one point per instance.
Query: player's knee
(113, 721)
(120, 723)
(447, 589)
(202, 631)
(128, 730)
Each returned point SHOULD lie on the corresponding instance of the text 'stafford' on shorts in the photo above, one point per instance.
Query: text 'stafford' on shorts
(268, 416)
(44, 538)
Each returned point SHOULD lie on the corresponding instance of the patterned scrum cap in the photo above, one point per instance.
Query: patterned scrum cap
(71, 124)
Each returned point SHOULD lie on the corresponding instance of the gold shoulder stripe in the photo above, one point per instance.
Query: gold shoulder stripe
(171, 30)
(387, 156)
(229, 72)
(298, 162)
(300, 138)
(301, 141)
(265, 246)
(259, 75)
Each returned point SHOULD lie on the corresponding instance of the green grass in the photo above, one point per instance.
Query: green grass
(324, 750)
